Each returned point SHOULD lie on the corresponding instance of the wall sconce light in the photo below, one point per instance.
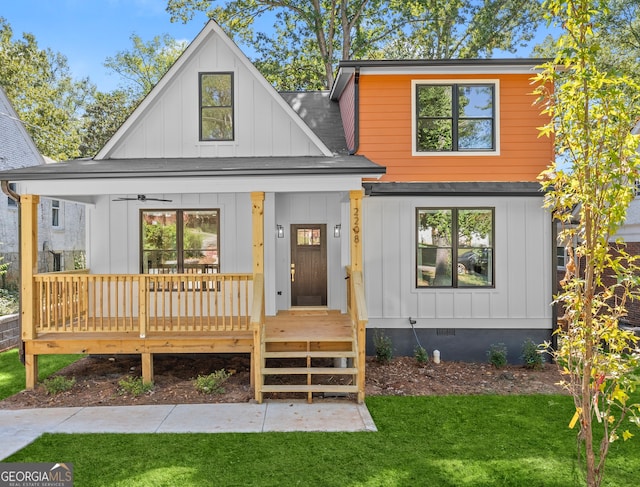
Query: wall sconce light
(280, 230)
(336, 230)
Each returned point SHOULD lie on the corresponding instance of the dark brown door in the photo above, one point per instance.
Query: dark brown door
(308, 265)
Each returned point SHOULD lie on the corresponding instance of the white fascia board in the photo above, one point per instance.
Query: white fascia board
(341, 81)
(447, 70)
(276, 184)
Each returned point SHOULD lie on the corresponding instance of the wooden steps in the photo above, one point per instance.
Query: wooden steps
(299, 346)
(313, 388)
(309, 370)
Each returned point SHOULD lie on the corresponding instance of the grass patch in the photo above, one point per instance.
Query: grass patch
(472, 441)
(12, 376)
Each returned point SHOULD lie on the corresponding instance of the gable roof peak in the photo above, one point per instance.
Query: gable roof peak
(211, 28)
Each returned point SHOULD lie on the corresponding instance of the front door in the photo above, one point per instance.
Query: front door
(309, 265)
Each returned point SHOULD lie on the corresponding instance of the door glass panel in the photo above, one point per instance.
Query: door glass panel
(308, 236)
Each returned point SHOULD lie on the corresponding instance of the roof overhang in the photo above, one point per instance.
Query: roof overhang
(196, 167)
(84, 180)
(423, 67)
(499, 188)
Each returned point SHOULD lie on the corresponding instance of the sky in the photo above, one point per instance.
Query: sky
(87, 32)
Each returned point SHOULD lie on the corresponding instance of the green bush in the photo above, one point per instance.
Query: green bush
(58, 383)
(134, 386)
(497, 355)
(531, 354)
(383, 346)
(212, 383)
(421, 355)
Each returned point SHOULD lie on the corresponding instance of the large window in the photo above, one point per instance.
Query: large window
(216, 106)
(454, 247)
(180, 241)
(455, 118)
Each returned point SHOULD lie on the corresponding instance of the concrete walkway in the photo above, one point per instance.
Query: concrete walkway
(20, 427)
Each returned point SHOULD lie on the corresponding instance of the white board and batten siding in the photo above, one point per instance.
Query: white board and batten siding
(522, 294)
(114, 236)
(312, 208)
(166, 124)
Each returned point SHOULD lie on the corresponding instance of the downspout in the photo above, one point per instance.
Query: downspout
(9, 192)
(356, 111)
(4, 185)
(554, 282)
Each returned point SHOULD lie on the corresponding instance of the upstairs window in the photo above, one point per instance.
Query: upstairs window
(454, 118)
(454, 247)
(180, 241)
(216, 106)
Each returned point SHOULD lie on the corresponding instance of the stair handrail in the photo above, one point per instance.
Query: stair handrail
(357, 308)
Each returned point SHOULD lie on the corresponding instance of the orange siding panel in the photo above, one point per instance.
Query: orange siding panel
(386, 133)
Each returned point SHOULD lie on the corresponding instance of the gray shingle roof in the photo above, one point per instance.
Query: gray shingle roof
(488, 188)
(190, 167)
(321, 115)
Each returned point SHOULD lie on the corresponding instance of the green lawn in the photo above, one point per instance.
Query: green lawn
(12, 377)
(422, 441)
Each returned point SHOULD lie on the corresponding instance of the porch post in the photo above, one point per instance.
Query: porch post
(29, 267)
(355, 237)
(257, 213)
(355, 230)
(257, 217)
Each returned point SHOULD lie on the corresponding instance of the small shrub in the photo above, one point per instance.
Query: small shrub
(58, 383)
(134, 386)
(9, 302)
(531, 354)
(421, 355)
(384, 347)
(212, 383)
(497, 355)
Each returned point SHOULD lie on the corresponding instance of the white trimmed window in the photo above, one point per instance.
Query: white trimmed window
(455, 118)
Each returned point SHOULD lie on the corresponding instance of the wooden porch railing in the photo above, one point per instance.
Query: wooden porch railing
(142, 303)
(357, 309)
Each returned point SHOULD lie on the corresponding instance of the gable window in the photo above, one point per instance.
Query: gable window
(216, 106)
(454, 247)
(55, 213)
(455, 117)
(180, 241)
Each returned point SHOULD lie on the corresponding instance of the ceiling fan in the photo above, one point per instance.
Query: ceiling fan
(141, 197)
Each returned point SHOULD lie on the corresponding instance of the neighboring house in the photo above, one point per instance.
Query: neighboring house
(225, 217)
(61, 239)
